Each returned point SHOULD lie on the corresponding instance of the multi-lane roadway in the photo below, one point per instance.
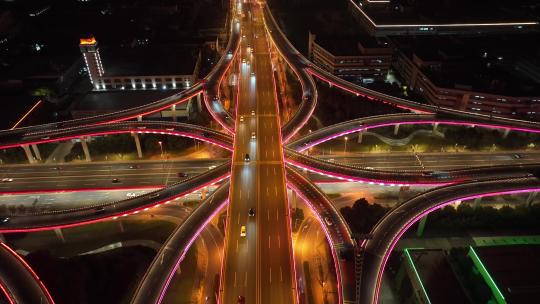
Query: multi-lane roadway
(258, 266)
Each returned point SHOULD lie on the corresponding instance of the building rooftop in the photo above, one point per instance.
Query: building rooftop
(514, 269)
(480, 64)
(154, 60)
(348, 45)
(438, 277)
(433, 12)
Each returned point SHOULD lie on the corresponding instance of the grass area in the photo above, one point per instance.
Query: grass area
(182, 284)
(107, 277)
(456, 139)
(307, 283)
(333, 195)
(89, 237)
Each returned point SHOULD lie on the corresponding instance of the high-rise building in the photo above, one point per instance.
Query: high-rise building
(90, 50)
(141, 68)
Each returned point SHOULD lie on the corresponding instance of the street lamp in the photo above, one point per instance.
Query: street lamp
(345, 148)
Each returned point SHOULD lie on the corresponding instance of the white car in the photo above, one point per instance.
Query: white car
(241, 118)
(131, 194)
(253, 137)
(7, 180)
(253, 113)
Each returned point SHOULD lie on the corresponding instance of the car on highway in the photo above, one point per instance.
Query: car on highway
(253, 113)
(252, 74)
(241, 118)
(99, 209)
(246, 158)
(251, 212)
(427, 173)
(327, 221)
(181, 174)
(131, 194)
(253, 136)
(517, 156)
(115, 180)
(243, 60)
(241, 300)
(243, 231)
(7, 180)
(134, 166)
(4, 220)
(437, 174)
(153, 195)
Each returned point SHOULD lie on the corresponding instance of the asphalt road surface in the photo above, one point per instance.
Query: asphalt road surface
(258, 266)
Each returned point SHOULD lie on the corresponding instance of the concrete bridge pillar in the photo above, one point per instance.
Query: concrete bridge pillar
(477, 202)
(28, 153)
(36, 151)
(85, 149)
(60, 235)
(530, 198)
(360, 133)
(173, 110)
(396, 129)
(121, 226)
(506, 132)
(199, 103)
(137, 144)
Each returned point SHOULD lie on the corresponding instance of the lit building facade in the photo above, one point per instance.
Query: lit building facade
(102, 81)
(463, 97)
(359, 63)
(90, 50)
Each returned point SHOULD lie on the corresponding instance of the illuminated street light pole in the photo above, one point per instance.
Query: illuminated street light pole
(345, 148)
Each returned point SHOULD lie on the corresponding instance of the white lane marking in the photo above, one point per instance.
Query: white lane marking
(270, 274)
(268, 242)
(235, 279)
